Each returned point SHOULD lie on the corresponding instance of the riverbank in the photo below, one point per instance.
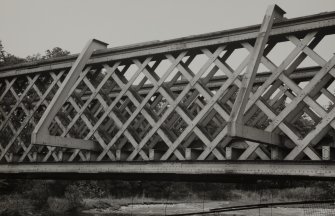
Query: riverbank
(147, 198)
(160, 209)
(141, 206)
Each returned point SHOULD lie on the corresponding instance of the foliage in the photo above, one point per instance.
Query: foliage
(56, 52)
(53, 53)
(76, 191)
(7, 58)
(58, 205)
(74, 195)
(39, 192)
(15, 205)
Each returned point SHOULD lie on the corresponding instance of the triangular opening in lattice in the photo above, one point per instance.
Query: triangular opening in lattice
(213, 71)
(237, 57)
(128, 74)
(325, 47)
(197, 63)
(263, 69)
(308, 62)
(162, 68)
(175, 76)
(280, 52)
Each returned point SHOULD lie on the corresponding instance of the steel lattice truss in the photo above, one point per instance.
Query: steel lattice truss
(173, 100)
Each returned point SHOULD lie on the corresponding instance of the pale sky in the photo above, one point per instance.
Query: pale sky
(31, 26)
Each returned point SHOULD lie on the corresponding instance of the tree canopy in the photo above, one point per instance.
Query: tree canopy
(7, 58)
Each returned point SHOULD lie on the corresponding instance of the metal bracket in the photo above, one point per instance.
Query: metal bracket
(236, 123)
(40, 135)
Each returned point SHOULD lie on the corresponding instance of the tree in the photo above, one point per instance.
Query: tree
(7, 58)
(53, 53)
(56, 52)
(2, 53)
(34, 57)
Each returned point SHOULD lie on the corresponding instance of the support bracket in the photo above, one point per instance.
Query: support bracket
(40, 135)
(236, 127)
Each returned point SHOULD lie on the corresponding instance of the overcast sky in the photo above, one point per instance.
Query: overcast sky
(31, 26)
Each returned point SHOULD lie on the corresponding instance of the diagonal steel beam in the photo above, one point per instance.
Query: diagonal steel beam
(40, 135)
(236, 124)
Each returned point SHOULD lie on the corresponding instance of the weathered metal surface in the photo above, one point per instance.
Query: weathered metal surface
(173, 100)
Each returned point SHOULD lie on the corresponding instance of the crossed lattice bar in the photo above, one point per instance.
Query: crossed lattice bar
(176, 104)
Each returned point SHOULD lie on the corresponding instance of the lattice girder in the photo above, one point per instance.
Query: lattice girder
(176, 103)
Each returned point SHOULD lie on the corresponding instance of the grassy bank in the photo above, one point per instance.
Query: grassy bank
(23, 197)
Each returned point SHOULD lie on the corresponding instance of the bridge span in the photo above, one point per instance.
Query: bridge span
(256, 101)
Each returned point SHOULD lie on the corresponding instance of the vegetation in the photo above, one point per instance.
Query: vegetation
(7, 58)
(41, 196)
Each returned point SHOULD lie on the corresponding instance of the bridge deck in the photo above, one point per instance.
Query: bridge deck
(187, 170)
